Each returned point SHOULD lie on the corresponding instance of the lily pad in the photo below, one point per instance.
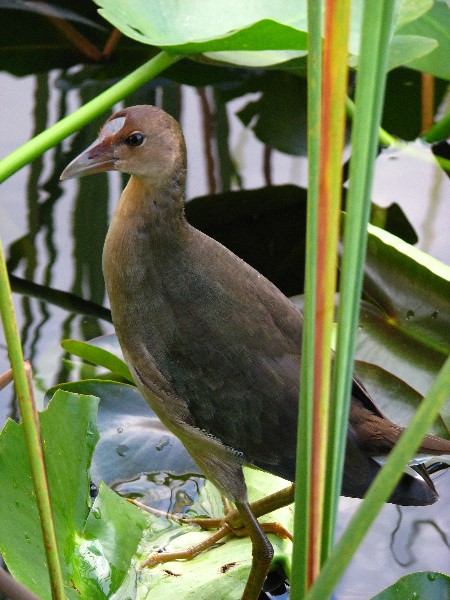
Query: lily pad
(435, 24)
(204, 27)
(405, 328)
(220, 572)
(427, 585)
(69, 435)
(257, 33)
(132, 439)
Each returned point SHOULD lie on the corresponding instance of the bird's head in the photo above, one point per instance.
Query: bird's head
(140, 140)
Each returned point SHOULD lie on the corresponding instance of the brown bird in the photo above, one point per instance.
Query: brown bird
(213, 346)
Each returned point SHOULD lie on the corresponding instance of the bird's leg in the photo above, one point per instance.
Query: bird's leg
(236, 522)
(262, 552)
(263, 506)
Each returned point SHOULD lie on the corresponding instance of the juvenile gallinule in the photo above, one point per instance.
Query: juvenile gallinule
(213, 346)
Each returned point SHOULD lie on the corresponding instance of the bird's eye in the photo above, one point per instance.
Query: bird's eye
(135, 139)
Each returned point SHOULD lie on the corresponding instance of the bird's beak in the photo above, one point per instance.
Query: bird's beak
(98, 158)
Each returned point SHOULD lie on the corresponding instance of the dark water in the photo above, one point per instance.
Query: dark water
(53, 234)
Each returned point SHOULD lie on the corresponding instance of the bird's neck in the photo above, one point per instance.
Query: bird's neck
(148, 228)
(154, 208)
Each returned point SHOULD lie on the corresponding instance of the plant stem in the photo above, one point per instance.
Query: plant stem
(30, 421)
(48, 138)
(377, 23)
(383, 486)
(439, 131)
(301, 554)
(334, 86)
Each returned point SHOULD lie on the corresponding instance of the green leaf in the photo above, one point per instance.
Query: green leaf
(104, 549)
(410, 10)
(427, 585)
(433, 24)
(132, 439)
(103, 351)
(222, 571)
(404, 49)
(405, 329)
(92, 543)
(69, 434)
(201, 27)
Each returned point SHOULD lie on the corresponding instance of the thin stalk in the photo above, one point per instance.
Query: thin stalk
(440, 131)
(30, 422)
(383, 486)
(48, 138)
(334, 87)
(301, 554)
(377, 23)
(384, 137)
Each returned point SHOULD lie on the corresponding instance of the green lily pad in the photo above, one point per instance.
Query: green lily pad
(69, 435)
(405, 328)
(202, 27)
(258, 33)
(435, 24)
(427, 585)
(220, 572)
(132, 439)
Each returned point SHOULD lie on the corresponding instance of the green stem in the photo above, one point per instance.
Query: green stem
(433, 135)
(48, 138)
(300, 555)
(375, 35)
(383, 486)
(334, 86)
(384, 138)
(439, 131)
(30, 423)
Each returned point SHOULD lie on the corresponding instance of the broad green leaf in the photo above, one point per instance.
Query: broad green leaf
(404, 49)
(410, 10)
(433, 24)
(103, 351)
(202, 27)
(96, 546)
(104, 549)
(221, 572)
(259, 33)
(132, 439)
(69, 434)
(405, 329)
(427, 585)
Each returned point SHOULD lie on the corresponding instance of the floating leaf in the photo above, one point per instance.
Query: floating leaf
(405, 328)
(132, 439)
(427, 585)
(433, 24)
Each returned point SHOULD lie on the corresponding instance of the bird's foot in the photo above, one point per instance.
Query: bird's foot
(230, 524)
(190, 553)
